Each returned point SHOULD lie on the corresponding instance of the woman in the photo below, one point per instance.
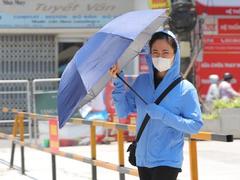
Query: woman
(159, 152)
(213, 91)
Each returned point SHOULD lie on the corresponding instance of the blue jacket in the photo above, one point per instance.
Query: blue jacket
(161, 143)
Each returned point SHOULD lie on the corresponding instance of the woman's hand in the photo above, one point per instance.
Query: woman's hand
(114, 70)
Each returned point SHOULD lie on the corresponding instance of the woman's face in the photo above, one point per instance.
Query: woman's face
(161, 48)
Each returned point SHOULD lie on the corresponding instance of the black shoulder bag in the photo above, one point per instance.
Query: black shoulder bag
(132, 147)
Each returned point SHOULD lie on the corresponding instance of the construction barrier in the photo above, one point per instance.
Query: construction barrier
(93, 160)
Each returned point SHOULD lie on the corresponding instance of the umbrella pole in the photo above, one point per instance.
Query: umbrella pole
(135, 92)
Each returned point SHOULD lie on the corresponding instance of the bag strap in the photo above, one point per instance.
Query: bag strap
(159, 99)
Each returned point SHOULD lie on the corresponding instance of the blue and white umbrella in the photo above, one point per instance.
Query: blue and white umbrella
(120, 41)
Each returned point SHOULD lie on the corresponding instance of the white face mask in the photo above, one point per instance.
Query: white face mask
(162, 64)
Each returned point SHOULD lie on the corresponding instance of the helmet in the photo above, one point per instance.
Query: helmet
(213, 78)
(227, 76)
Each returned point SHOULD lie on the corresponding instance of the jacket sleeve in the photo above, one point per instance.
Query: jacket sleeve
(124, 101)
(232, 91)
(190, 120)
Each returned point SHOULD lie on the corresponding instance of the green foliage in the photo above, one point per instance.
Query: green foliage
(212, 116)
(221, 104)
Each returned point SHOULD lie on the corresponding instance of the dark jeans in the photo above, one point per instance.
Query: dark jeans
(158, 173)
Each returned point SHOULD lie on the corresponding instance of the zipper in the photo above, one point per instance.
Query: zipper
(147, 134)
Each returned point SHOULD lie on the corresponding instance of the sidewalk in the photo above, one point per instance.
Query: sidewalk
(216, 160)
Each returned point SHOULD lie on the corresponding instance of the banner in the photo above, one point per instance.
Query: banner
(218, 7)
(221, 54)
(229, 26)
(60, 13)
(221, 42)
(158, 4)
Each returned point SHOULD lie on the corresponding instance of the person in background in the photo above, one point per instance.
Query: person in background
(226, 89)
(213, 91)
(96, 110)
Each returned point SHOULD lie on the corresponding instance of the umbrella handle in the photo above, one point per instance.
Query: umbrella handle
(135, 92)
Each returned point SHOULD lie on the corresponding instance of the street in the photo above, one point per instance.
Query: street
(216, 161)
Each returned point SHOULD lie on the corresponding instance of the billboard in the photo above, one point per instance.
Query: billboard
(218, 7)
(158, 4)
(60, 13)
(221, 42)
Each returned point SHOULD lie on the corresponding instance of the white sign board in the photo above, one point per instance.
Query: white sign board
(60, 13)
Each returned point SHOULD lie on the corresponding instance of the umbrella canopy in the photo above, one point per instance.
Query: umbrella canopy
(117, 42)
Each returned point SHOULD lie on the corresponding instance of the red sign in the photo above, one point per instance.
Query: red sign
(108, 98)
(221, 43)
(204, 69)
(217, 8)
(229, 26)
(143, 67)
(221, 53)
(53, 134)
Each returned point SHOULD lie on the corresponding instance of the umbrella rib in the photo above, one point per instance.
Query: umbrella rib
(131, 88)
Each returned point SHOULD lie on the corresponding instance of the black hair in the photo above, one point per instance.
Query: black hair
(227, 76)
(161, 35)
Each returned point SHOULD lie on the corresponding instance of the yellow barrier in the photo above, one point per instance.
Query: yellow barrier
(93, 161)
(193, 159)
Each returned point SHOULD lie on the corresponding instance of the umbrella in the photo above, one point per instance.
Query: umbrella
(119, 41)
